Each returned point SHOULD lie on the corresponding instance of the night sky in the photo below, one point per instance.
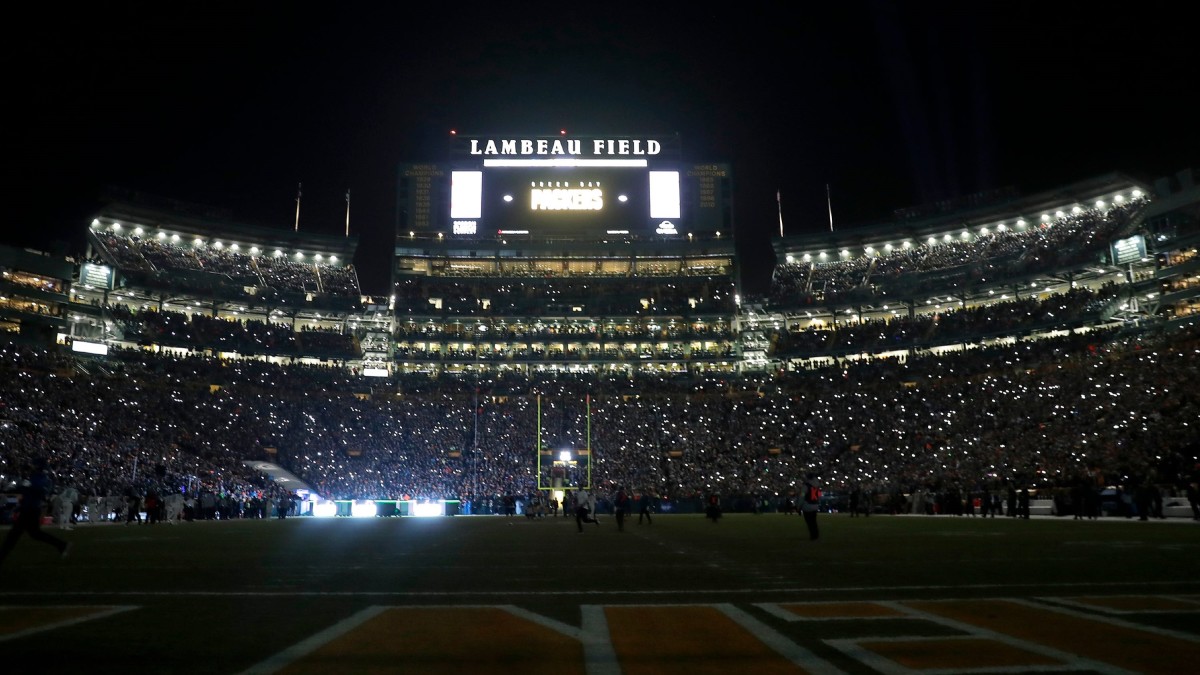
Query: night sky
(889, 104)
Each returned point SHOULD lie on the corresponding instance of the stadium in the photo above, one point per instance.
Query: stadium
(567, 316)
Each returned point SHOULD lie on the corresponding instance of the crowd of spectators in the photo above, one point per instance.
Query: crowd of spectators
(245, 336)
(587, 330)
(548, 297)
(136, 254)
(1072, 308)
(1010, 253)
(1109, 406)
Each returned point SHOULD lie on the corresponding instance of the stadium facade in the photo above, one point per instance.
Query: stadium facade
(610, 255)
(563, 253)
(612, 263)
(1103, 252)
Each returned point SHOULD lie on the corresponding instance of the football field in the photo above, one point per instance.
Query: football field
(495, 594)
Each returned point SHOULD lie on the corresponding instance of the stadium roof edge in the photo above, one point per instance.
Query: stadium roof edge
(1026, 206)
(210, 224)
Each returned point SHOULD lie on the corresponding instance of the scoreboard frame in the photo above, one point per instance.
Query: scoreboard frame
(585, 188)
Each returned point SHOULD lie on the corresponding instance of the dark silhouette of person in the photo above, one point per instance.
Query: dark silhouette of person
(810, 505)
(585, 505)
(133, 508)
(1143, 499)
(33, 495)
(712, 510)
(644, 508)
(620, 507)
(1078, 499)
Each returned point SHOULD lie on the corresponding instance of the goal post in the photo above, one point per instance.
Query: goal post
(562, 469)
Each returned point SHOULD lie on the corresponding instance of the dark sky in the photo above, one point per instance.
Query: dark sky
(889, 104)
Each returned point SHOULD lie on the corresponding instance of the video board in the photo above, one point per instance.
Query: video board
(565, 187)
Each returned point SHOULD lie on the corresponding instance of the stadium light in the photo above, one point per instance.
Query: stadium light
(567, 162)
(427, 509)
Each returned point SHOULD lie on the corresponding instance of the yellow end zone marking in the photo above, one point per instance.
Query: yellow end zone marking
(1099, 639)
(22, 620)
(691, 640)
(841, 610)
(445, 640)
(997, 634)
(956, 653)
(612, 640)
(1130, 604)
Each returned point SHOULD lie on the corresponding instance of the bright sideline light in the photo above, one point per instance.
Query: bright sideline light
(427, 509)
(324, 509)
(366, 508)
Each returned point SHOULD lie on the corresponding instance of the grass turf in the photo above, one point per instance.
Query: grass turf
(214, 597)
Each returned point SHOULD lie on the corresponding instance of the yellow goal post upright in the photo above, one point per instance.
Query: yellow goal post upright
(564, 469)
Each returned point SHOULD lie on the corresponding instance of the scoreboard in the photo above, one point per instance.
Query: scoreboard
(569, 187)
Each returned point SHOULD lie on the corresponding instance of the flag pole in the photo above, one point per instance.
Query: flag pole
(779, 204)
(829, 203)
(299, 191)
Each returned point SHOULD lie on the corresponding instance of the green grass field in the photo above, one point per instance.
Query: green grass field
(488, 594)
